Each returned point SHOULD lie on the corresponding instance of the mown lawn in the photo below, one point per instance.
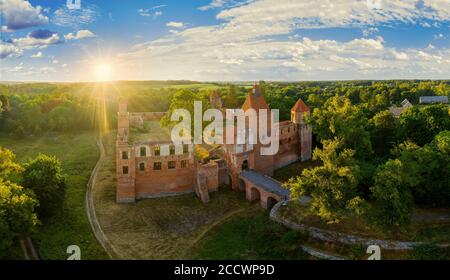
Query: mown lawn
(78, 154)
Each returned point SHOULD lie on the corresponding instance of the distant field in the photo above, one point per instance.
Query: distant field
(78, 154)
(198, 86)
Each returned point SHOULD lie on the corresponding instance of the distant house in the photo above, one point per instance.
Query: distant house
(396, 111)
(433, 99)
(406, 104)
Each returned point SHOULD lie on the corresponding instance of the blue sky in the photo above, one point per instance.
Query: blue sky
(225, 40)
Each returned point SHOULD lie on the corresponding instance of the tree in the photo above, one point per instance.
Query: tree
(8, 168)
(184, 99)
(382, 132)
(340, 119)
(332, 186)
(442, 142)
(17, 214)
(44, 176)
(421, 124)
(231, 99)
(393, 201)
(430, 168)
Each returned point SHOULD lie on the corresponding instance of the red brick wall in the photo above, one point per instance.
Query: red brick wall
(211, 172)
(152, 182)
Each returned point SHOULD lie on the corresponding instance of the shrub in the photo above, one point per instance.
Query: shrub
(44, 176)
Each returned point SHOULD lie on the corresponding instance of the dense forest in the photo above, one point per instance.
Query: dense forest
(33, 108)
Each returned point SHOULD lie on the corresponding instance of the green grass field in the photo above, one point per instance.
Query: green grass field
(78, 154)
(251, 236)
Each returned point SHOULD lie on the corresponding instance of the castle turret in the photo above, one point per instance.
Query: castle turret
(298, 114)
(123, 122)
(255, 100)
(261, 163)
(215, 100)
(125, 157)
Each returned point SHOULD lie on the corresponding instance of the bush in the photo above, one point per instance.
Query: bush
(393, 201)
(430, 251)
(44, 176)
(17, 216)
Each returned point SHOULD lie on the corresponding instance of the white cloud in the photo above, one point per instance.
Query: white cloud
(75, 17)
(9, 50)
(369, 45)
(369, 31)
(144, 12)
(19, 14)
(400, 55)
(439, 36)
(214, 4)
(80, 34)
(158, 7)
(250, 44)
(285, 15)
(149, 13)
(29, 41)
(175, 24)
(303, 59)
(23, 71)
(425, 24)
(37, 55)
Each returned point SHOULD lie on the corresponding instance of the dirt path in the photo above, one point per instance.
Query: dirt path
(90, 210)
(28, 249)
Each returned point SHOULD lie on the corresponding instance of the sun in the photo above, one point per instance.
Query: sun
(103, 72)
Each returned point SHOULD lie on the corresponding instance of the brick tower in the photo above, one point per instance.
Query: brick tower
(261, 163)
(125, 155)
(215, 100)
(298, 114)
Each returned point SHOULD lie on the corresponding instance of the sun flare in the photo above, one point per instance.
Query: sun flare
(103, 72)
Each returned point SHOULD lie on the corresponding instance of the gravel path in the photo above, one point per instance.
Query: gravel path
(90, 209)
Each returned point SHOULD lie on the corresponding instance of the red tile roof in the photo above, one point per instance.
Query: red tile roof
(300, 106)
(255, 100)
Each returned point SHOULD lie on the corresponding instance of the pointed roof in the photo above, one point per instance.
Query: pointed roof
(215, 94)
(255, 100)
(300, 106)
